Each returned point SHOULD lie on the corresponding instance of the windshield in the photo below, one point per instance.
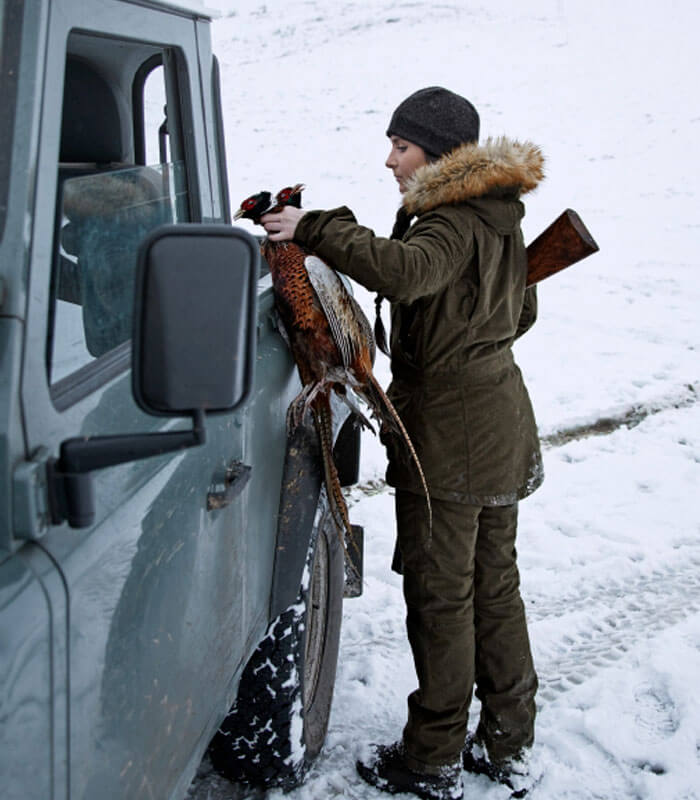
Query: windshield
(10, 30)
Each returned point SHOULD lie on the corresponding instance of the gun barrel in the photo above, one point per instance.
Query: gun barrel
(563, 243)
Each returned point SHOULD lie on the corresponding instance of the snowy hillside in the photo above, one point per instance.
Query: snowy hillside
(610, 546)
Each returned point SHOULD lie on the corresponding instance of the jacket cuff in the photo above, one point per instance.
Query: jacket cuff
(310, 228)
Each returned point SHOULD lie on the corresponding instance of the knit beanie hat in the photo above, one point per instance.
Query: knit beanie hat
(435, 119)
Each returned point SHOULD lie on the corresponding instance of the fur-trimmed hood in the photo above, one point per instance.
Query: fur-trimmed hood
(471, 171)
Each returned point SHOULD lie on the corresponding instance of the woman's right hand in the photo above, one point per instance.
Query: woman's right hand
(280, 227)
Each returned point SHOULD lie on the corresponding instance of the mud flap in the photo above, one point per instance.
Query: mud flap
(354, 562)
(301, 485)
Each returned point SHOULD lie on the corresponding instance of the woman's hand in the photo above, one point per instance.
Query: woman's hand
(280, 227)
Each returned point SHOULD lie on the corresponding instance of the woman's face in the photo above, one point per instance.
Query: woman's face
(404, 159)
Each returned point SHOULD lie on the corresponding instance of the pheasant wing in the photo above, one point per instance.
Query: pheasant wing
(348, 323)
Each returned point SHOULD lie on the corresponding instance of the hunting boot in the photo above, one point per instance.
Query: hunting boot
(514, 772)
(386, 768)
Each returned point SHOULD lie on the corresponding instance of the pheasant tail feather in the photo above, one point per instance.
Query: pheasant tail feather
(379, 400)
(324, 425)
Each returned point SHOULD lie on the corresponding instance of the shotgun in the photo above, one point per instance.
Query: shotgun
(563, 243)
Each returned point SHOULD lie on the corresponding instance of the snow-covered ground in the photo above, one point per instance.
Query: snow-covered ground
(610, 546)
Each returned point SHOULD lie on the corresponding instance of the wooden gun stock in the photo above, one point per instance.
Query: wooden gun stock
(563, 243)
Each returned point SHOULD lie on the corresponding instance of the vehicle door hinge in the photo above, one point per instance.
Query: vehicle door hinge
(30, 497)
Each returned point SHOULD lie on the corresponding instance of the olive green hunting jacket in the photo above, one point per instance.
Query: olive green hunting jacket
(456, 282)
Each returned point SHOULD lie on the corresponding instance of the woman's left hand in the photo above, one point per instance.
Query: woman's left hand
(280, 227)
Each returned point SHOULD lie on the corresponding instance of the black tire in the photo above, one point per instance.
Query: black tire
(279, 721)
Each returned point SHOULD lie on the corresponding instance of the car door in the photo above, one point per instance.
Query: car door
(167, 588)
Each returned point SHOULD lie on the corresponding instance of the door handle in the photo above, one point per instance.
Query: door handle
(235, 480)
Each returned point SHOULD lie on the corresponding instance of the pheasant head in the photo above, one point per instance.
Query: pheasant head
(254, 207)
(291, 196)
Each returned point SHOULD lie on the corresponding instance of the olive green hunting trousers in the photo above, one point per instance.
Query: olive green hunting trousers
(466, 627)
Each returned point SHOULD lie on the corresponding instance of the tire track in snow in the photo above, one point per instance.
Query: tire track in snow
(608, 618)
(628, 417)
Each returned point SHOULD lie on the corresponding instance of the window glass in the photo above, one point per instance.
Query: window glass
(107, 202)
(155, 119)
(104, 219)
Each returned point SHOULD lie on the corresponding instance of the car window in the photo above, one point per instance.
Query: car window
(107, 202)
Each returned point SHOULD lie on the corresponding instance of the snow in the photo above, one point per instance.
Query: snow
(609, 547)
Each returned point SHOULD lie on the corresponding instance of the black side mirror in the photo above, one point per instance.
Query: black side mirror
(195, 326)
(195, 317)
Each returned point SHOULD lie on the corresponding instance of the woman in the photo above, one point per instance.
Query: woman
(456, 281)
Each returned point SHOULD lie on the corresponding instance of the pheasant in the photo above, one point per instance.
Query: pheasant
(331, 342)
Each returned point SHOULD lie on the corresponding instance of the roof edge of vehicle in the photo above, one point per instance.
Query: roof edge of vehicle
(195, 8)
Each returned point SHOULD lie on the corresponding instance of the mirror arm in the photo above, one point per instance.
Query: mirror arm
(84, 454)
(69, 480)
